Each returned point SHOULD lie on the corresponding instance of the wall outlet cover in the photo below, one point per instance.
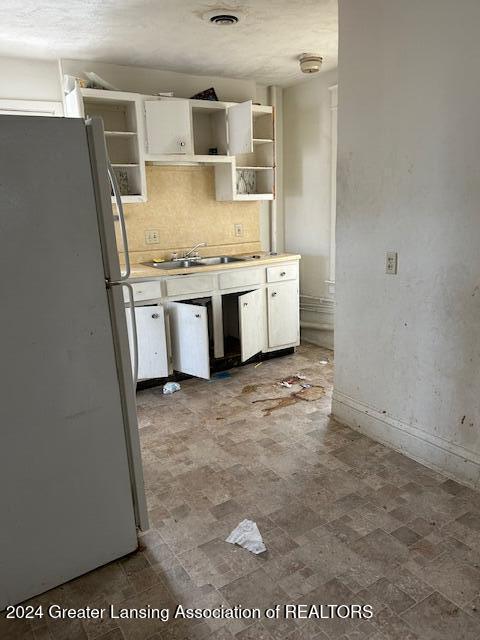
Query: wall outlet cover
(152, 236)
(238, 229)
(391, 263)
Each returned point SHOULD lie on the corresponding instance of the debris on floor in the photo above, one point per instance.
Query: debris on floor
(247, 535)
(221, 375)
(323, 361)
(288, 382)
(309, 393)
(280, 403)
(251, 388)
(170, 387)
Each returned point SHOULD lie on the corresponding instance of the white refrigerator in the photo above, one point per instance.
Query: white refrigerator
(71, 482)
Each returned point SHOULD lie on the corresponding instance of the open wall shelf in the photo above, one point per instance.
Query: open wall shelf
(237, 139)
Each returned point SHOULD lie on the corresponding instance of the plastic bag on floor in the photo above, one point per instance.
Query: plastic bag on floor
(247, 536)
(170, 387)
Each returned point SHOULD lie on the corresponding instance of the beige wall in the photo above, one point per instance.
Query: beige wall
(407, 356)
(307, 171)
(307, 175)
(182, 207)
(23, 79)
(150, 81)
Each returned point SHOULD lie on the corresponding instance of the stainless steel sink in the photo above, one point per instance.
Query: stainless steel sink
(172, 264)
(219, 260)
(193, 262)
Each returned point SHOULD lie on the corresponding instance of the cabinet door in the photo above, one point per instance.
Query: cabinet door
(240, 128)
(152, 342)
(190, 340)
(168, 124)
(251, 321)
(283, 315)
(74, 103)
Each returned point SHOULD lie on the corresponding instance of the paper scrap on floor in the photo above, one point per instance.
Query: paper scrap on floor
(247, 535)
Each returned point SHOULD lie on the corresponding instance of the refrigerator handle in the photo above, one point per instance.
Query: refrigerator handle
(125, 356)
(133, 319)
(121, 218)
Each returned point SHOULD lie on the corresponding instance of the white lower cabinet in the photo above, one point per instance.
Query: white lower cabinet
(227, 319)
(190, 338)
(283, 314)
(153, 361)
(251, 312)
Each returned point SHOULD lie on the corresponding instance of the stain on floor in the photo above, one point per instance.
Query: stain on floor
(344, 519)
(309, 393)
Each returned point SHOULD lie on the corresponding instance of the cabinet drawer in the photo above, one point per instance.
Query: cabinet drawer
(189, 284)
(144, 291)
(240, 278)
(282, 272)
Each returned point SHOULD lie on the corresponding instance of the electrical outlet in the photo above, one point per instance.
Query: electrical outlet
(152, 236)
(391, 263)
(238, 229)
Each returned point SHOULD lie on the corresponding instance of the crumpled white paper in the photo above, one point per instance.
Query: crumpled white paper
(247, 535)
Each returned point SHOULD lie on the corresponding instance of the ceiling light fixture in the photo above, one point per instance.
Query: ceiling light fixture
(310, 62)
(222, 17)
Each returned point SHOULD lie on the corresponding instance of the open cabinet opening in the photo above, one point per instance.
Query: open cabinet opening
(263, 126)
(121, 138)
(117, 117)
(209, 131)
(254, 182)
(231, 325)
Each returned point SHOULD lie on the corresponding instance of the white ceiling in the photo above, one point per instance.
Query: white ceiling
(170, 34)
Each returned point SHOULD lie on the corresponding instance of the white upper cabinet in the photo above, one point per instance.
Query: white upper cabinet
(122, 121)
(237, 139)
(168, 127)
(240, 128)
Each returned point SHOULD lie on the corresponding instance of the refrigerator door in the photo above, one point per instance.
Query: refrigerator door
(115, 280)
(66, 496)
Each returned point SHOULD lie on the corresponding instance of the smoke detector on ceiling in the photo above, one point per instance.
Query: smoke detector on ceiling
(222, 17)
(310, 62)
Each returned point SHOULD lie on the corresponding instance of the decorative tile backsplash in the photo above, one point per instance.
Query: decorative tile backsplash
(182, 208)
(246, 181)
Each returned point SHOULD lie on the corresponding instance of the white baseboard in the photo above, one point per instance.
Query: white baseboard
(433, 451)
(317, 317)
(320, 338)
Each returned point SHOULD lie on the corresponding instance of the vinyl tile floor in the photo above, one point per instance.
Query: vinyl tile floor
(345, 520)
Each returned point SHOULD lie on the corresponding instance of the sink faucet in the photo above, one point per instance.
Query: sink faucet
(200, 244)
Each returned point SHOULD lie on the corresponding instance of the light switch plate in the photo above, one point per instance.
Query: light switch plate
(391, 263)
(152, 236)
(238, 229)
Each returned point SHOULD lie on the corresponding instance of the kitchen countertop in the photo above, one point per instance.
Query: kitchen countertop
(142, 272)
